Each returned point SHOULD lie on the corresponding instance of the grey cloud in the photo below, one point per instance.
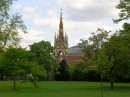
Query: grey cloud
(92, 11)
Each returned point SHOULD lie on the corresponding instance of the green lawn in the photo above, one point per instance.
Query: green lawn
(63, 89)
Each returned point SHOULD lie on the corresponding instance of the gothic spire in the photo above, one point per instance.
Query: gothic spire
(61, 31)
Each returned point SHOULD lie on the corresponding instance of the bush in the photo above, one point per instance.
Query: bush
(63, 70)
(77, 75)
(92, 75)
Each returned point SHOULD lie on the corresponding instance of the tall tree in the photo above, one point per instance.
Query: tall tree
(121, 42)
(43, 53)
(119, 47)
(104, 64)
(102, 61)
(10, 24)
(17, 65)
(96, 52)
(15, 60)
(93, 44)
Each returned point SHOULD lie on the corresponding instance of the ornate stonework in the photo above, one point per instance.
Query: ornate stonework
(61, 41)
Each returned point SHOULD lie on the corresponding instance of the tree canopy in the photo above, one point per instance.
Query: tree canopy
(124, 6)
(111, 55)
(43, 53)
(10, 25)
(16, 65)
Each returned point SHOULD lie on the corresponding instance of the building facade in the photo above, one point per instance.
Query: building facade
(72, 55)
(61, 41)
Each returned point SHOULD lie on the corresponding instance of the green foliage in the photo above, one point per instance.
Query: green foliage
(117, 49)
(98, 39)
(37, 71)
(93, 44)
(110, 55)
(118, 53)
(92, 75)
(43, 53)
(79, 72)
(10, 25)
(5, 6)
(104, 63)
(16, 65)
(124, 6)
(15, 61)
(126, 29)
(63, 71)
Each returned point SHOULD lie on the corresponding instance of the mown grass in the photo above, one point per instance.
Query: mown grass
(63, 89)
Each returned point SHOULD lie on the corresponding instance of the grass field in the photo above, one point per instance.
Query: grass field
(63, 89)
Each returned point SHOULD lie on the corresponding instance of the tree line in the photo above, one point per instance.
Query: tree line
(110, 54)
(106, 57)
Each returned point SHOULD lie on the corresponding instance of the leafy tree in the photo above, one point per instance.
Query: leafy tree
(15, 61)
(10, 24)
(118, 47)
(93, 44)
(34, 73)
(104, 64)
(87, 50)
(79, 72)
(125, 31)
(95, 52)
(43, 53)
(17, 65)
(124, 6)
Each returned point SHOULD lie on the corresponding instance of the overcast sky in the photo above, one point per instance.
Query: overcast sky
(80, 18)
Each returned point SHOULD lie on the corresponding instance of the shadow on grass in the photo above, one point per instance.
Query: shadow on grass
(122, 88)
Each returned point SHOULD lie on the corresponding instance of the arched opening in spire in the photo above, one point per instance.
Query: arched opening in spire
(60, 56)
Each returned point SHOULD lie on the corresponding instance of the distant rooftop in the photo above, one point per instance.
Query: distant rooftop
(75, 50)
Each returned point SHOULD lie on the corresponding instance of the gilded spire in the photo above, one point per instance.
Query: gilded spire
(61, 31)
(61, 41)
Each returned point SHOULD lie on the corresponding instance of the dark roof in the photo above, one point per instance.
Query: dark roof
(75, 50)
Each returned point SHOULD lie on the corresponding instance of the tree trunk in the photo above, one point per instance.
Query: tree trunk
(34, 84)
(14, 83)
(101, 85)
(112, 83)
(112, 78)
(1, 77)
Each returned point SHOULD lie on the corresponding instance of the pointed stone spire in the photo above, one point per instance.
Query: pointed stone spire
(55, 35)
(61, 30)
(65, 35)
(61, 43)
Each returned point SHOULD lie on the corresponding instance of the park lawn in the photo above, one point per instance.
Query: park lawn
(63, 89)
